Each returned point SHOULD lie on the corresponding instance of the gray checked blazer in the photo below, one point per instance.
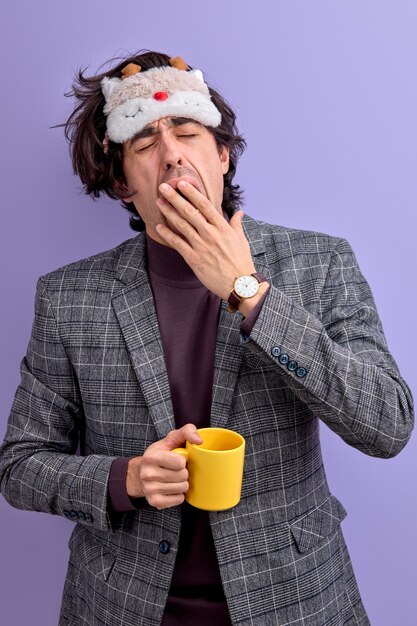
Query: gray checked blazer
(94, 375)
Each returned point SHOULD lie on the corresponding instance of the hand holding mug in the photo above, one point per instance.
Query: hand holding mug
(160, 476)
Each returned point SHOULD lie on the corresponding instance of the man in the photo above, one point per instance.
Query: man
(135, 348)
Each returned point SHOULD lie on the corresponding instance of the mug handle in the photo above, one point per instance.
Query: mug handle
(181, 451)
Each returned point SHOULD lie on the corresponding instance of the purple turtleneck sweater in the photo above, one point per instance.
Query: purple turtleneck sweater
(185, 308)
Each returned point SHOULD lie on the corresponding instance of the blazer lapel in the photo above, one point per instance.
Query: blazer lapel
(135, 309)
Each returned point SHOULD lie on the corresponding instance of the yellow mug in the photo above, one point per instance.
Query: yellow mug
(215, 469)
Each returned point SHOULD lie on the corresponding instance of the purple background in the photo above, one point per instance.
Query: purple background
(325, 94)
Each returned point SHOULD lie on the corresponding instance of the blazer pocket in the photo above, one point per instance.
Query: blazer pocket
(92, 556)
(314, 526)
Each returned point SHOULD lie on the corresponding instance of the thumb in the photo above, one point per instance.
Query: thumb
(236, 220)
(176, 438)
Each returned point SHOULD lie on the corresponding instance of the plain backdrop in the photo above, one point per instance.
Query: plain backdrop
(325, 95)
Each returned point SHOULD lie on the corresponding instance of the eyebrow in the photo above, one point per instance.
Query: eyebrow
(153, 130)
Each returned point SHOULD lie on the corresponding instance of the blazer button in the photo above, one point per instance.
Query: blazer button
(276, 351)
(73, 515)
(292, 365)
(81, 515)
(301, 372)
(284, 358)
(66, 513)
(89, 517)
(164, 547)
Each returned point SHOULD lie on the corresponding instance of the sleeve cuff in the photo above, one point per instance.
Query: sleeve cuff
(248, 323)
(119, 499)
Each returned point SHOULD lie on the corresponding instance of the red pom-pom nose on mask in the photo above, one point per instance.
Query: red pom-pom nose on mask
(160, 95)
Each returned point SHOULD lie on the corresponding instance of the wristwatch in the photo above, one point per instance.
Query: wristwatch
(245, 286)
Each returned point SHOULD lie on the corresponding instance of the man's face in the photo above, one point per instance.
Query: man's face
(167, 150)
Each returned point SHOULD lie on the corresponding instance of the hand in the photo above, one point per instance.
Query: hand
(216, 251)
(160, 475)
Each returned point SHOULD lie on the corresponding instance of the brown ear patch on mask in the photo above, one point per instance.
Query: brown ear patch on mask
(178, 63)
(130, 70)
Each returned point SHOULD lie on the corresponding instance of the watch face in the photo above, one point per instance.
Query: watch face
(246, 286)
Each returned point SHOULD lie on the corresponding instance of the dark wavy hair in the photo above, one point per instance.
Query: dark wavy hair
(101, 173)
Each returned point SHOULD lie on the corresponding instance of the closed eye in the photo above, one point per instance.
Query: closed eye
(144, 148)
(151, 144)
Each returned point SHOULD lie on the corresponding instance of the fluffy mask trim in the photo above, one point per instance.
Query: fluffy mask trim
(134, 101)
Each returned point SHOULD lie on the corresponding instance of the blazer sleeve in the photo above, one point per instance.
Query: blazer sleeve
(336, 360)
(39, 468)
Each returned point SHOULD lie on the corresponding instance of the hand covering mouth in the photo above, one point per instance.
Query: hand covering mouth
(184, 175)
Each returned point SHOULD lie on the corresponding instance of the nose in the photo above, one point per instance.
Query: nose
(171, 152)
